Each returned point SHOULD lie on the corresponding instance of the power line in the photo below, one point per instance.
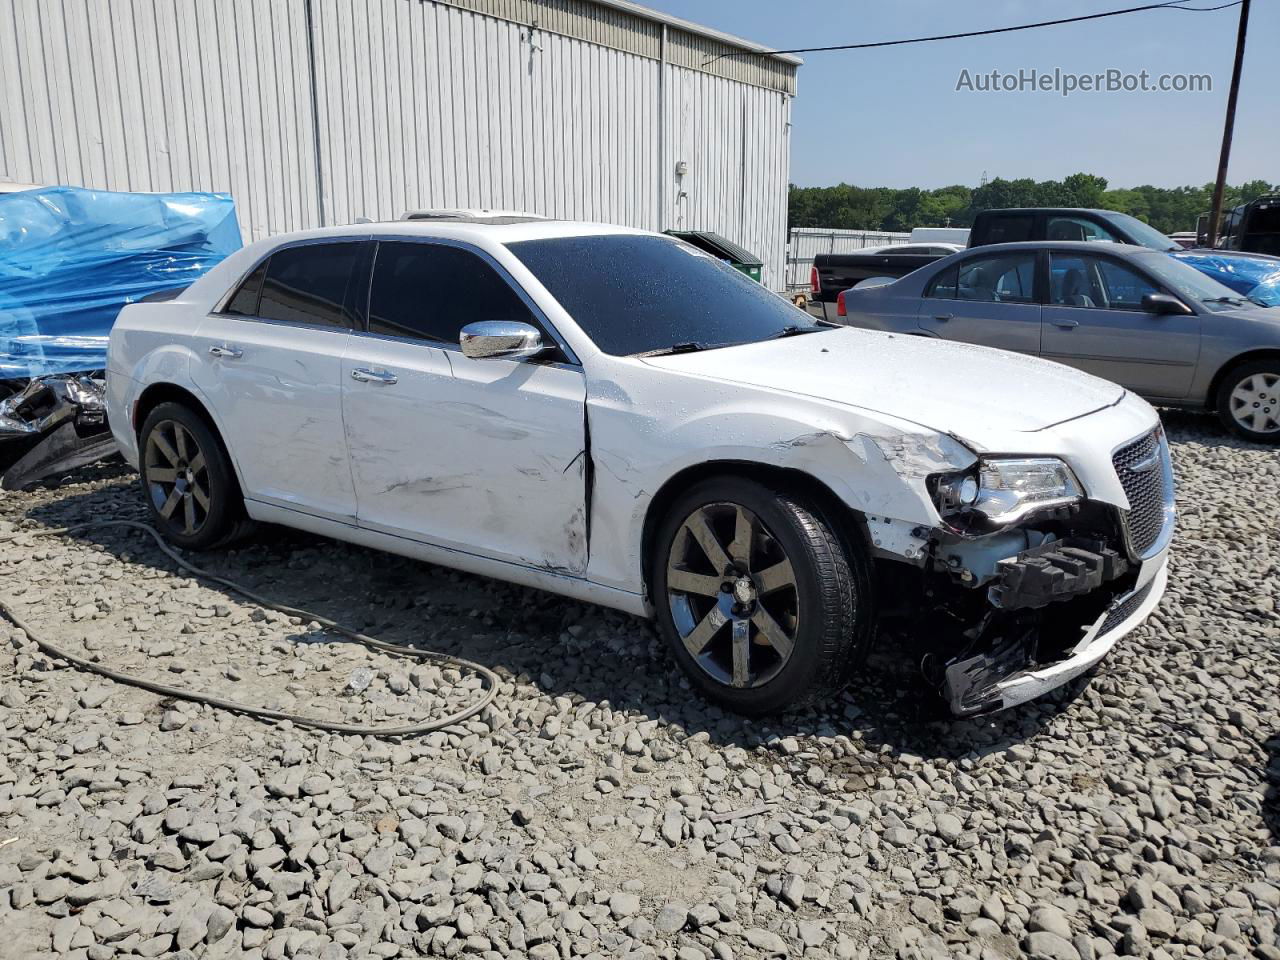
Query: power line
(1167, 5)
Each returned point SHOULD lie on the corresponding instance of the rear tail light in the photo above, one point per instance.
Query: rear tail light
(814, 285)
(840, 312)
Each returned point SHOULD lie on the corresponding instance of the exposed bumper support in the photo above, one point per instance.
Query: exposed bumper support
(1056, 571)
(1005, 677)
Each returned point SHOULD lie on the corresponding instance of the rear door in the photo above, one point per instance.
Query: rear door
(989, 299)
(1094, 321)
(485, 456)
(270, 364)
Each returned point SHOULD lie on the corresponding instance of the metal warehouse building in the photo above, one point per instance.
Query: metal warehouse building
(318, 112)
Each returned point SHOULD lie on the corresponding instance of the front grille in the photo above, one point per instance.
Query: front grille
(1124, 609)
(1143, 468)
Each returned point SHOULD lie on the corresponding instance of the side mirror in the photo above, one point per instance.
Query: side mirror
(500, 339)
(1163, 303)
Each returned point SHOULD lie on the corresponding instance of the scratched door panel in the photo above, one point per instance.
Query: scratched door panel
(485, 456)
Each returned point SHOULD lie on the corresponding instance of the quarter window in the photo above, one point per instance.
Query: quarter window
(1004, 278)
(244, 303)
(308, 284)
(431, 291)
(943, 286)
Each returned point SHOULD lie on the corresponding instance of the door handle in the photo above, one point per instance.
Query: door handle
(373, 376)
(227, 353)
(1065, 324)
(943, 316)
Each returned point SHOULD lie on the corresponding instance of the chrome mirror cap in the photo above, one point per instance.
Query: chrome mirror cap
(500, 339)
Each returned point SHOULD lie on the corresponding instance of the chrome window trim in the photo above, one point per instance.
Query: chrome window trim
(501, 270)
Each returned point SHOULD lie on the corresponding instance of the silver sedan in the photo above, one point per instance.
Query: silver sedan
(1128, 314)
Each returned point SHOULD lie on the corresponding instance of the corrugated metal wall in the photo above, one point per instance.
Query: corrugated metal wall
(419, 104)
(806, 242)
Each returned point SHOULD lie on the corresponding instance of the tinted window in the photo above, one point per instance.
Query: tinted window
(633, 294)
(943, 285)
(1077, 228)
(308, 284)
(245, 301)
(1009, 229)
(432, 290)
(1082, 281)
(1004, 278)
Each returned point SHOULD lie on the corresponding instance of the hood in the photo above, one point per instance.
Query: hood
(954, 388)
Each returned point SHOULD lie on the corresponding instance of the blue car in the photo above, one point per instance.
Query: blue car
(1254, 275)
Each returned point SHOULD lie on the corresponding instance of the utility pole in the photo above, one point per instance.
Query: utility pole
(1215, 212)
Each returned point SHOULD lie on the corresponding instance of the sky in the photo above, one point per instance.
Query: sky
(893, 117)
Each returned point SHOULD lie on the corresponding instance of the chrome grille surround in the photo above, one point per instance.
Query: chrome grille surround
(1146, 474)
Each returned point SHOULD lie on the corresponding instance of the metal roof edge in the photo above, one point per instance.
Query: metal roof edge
(688, 26)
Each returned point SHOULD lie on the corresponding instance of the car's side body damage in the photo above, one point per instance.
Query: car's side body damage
(1005, 611)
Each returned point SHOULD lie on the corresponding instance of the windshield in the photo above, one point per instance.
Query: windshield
(1142, 233)
(1187, 281)
(635, 294)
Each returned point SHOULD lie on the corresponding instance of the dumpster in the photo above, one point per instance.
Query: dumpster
(722, 249)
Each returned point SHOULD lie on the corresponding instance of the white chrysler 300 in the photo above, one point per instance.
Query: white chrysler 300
(616, 416)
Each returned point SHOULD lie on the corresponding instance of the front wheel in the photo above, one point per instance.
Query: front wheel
(764, 605)
(1249, 401)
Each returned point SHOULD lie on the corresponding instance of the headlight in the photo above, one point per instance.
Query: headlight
(1004, 489)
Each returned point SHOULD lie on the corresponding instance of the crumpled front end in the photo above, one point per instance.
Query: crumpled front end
(1013, 612)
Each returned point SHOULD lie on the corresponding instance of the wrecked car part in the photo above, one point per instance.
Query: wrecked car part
(50, 424)
(74, 257)
(488, 678)
(64, 448)
(1055, 571)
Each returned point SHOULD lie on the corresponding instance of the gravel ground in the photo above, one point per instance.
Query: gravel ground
(600, 809)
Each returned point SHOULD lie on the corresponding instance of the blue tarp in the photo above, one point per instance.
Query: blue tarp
(1254, 275)
(71, 258)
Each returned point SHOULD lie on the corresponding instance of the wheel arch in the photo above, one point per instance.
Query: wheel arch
(166, 392)
(1252, 356)
(850, 523)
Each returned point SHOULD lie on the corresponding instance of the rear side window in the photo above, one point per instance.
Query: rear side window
(244, 303)
(308, 284)
(1011, 229)
(1000, 278)
(431, 291)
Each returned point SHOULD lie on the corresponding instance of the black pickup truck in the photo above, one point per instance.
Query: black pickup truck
(834, 272)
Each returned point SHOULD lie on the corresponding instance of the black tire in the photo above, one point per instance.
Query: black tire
(1249, 397)
(195, 509)
(830, 593)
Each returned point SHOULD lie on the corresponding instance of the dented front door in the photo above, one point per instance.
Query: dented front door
(484, 456)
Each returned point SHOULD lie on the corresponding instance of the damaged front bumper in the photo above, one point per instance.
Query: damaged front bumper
(51, 424)
(1009, 673)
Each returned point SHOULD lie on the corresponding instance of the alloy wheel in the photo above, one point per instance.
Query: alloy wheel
(732, 593)
(1255, 403)
(177, 476)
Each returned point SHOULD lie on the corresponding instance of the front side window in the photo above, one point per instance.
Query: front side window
(1083, 281)
(1077, 228)
(1003, 278)
(308, 284)
(636, 294)
(431, 291)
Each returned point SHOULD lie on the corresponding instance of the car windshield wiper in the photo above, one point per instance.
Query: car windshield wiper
(688, 346)
(792, 330)
(1225, 300)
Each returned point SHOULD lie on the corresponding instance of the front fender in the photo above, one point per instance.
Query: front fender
(874, 464)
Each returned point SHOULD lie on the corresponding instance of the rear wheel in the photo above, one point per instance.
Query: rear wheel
(1249, 401)
(187, 479)
(763, 604)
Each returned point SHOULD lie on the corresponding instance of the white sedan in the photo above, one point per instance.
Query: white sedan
(616, 416)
